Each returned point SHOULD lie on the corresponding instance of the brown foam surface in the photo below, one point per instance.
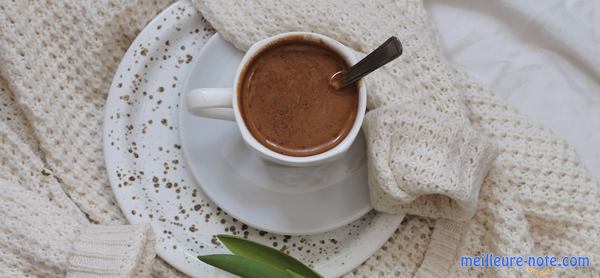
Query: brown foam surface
(287, 103)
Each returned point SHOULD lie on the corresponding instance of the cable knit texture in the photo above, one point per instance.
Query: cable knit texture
(432, 135)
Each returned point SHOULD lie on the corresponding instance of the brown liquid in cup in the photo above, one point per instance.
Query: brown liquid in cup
(287, 103)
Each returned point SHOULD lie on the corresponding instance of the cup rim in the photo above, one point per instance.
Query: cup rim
(350, 58)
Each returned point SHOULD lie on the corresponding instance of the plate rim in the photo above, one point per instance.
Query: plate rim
(180, 265)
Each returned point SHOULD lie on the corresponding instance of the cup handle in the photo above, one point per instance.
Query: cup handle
(215, 103)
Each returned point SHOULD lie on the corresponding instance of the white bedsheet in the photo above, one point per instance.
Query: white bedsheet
(543, 56)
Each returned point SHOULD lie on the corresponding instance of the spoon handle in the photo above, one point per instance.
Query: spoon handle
(388, 51)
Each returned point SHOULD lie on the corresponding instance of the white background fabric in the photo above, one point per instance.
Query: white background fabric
(543, 56)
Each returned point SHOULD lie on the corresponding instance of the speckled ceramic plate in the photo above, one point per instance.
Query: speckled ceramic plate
(151, 181)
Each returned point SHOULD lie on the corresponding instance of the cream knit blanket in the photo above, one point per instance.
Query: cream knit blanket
(432, 135)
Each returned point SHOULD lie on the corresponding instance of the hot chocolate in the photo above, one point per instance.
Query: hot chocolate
(287, 103)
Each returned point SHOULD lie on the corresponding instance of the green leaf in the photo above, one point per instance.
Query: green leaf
(294, 274)
(244, 267)
(267, 255)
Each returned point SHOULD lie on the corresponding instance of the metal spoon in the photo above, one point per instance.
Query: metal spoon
(385, 53)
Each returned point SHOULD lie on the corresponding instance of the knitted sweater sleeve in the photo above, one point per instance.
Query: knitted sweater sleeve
(42, 239)
(42, 232)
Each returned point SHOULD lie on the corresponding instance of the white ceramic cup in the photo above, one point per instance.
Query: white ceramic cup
(222, 103)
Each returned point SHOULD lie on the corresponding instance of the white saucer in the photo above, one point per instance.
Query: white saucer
(270, 197)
